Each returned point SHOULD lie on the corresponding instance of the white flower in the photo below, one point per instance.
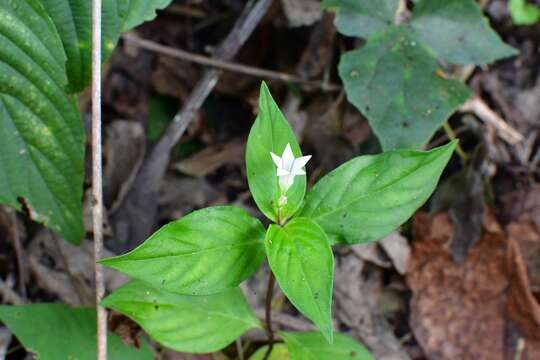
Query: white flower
(288, 167)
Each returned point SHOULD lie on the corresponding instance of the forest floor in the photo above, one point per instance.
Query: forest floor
(460, 280)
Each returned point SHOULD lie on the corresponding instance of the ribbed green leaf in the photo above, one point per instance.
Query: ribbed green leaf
(73, 20)
(58, 332)
(368, 197)
(393, 81)
(205, 252)
(362, 18)
(302, 261)
(42, 147)
(312, 346)
(271, 132)
(458, 32)
(195, 324)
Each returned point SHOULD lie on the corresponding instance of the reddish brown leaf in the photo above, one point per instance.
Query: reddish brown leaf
(481, 308)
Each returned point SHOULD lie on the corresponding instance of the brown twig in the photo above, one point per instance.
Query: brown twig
(477, 106)
(225, 65)
(268, 313)
(144, 192)
(97, 179)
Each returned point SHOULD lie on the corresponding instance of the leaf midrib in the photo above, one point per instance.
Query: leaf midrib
(201, 251)
(381, 190)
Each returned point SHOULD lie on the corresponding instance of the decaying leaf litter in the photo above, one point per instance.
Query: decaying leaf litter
(461, 280)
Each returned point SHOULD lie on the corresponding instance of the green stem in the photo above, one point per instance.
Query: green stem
(268, 311)
(452, 136)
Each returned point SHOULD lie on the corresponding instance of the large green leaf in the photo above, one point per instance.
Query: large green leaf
(195, 324)
(362, 18)
(205, 252)
(302, 261)
(368, 197)
(42, 146)
(393, 81)
(135, 12)
(458, 32)
(312, 346)
(58, 332)
(73, 19)
(271, 133)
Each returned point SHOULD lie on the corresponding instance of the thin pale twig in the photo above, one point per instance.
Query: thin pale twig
(97, 179)
(225, 65)
(486, 114)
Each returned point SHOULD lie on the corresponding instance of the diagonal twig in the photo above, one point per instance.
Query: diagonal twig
(135, 218)
(477, 106)
(225, 65)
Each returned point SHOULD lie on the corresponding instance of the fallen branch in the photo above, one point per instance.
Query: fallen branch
(478, 107)
(135, 218)
(225, 65)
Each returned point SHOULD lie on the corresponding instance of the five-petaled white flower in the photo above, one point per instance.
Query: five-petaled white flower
(288, 167)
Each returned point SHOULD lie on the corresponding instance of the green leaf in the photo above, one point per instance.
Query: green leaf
(205, 252)
(362, 18)
(369, 196)
(271, 133)
(42, 151)
(302, 261)
(135, 12)
(523, 13)
(59, 332)
(195, 324)
(393, 81)
(458, 32)
(73, 20)
(312, 346)
(279, 352)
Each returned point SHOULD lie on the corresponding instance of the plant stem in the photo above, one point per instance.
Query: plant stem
(97, 179)
(268, 311)
(452, 136)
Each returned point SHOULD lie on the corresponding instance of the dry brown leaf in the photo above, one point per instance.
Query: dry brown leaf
(318, 53)
(66, 270)
(124, 151)
(212, 158)
(356, 306)
(479, 309)
(5, 340)
(398, 250)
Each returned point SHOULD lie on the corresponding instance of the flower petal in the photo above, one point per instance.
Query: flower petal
(285, 182)
(287, 158)
(301, 162)
(282, 172)
(298, 172)
(277, 160)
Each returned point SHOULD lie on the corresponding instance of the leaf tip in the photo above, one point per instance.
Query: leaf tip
(109, 262)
